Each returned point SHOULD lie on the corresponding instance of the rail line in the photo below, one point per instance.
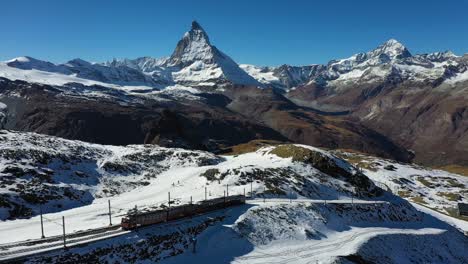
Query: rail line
(58, 237)
(40, 246)
(80, 240)
(59, 244)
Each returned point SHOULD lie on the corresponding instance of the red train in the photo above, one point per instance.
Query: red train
(135, 220)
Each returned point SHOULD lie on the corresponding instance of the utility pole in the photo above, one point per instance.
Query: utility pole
(169, 199)
(42, 223)
(290, 197)
(205, 193)
(110, 214)
(227, 189)
(63, 225)
(194, 243)
(224, 198)
(263, 194)
(244, 192)
(168, 205)
(191, 202)
(251, 190)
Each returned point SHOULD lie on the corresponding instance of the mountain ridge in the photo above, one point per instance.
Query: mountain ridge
(364, 90)
(196, 62)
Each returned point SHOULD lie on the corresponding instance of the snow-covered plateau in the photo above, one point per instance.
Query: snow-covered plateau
(432, 188)
(312, 206)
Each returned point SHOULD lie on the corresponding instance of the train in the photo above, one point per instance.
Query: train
(137, 219)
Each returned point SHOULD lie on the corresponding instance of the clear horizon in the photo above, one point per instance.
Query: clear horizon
(260, 33)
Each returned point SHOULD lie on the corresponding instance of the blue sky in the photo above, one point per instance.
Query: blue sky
(257, 32)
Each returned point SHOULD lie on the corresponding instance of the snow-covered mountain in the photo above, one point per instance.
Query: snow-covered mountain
(368, 85)
(76, 70)
(406, 97)
(390, 61)
(346, 207)
(196, 62)
(284, 76)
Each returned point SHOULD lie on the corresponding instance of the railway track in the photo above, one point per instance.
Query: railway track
(79, 239)
(21, 249)
(29, 248)
(60, 244)
(33, 242)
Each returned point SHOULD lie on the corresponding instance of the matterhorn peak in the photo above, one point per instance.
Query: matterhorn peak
(195, 56)
(197, 33)
(196, 26)
(195, 45)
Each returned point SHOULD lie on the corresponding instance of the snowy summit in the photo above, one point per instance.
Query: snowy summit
(198, 61)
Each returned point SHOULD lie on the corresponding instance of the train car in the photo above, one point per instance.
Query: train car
(135, 220)
(181, 211)
(138, 219)
(219, 203)
(235, 200)
(210, 205)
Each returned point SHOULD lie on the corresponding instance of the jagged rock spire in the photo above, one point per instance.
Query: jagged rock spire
(195, 45)
(196, 26)
(195, 54)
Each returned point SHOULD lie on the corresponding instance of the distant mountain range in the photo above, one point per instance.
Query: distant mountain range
(196, 62)
(385, 101)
